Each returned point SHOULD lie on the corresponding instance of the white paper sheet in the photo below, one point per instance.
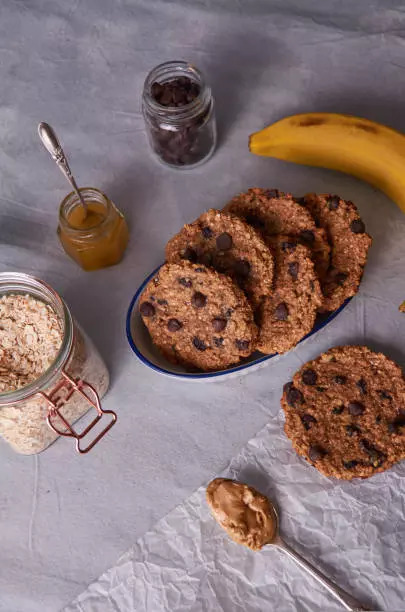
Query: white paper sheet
(354, 531)
(80, 65)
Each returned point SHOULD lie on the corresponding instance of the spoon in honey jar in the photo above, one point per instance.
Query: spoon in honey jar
(52, 144)
(251, 519)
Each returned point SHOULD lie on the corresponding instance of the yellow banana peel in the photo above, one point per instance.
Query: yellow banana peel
(363, 148)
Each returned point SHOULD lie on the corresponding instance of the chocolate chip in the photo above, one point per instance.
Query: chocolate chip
(221, 265)
(340, 380)
(300, 201)
(293, 395)
(162, 302)
(293, 270)
(352, 429)
(198, 300)
(309, 377)
(242, 345)
(224, 242)
(307, 236)
(333, 202)
(179, 97)
(376, 457)
(288, 246)
(384, 395)
(366, 446)
(218, 324)
(199, 344)
(338, 409)
(321, 389)
(147, 309)
(357, 226)
(156, 90)
(350, 464)
(356, 408)
(218, 341)
(287, 387)
(206, 259)
(254, 221)
(174, 325)
(378, 419)
(362, 385)
(308, 420)
(242, 268)
(395, 426)
(200, 270)
(228, 313)
(281, 312)
(316, 452)
(207, 232)
(340, 278)
(312, 285)
(190, 255)
(166, 98)
(185, 282)
(175, 92)
(272, 193)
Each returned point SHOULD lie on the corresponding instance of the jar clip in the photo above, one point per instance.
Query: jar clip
(57, 401)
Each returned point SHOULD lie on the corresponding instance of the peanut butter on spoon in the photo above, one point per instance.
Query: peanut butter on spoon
(250, 518)
(244, 513)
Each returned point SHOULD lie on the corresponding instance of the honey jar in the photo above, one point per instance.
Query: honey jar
(97, 237)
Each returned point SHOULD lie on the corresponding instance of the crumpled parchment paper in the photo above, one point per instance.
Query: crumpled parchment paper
(353, 531)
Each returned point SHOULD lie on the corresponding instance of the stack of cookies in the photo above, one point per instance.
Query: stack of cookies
(253, 276)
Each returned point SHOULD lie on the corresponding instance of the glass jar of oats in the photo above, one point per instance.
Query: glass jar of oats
(50, 372)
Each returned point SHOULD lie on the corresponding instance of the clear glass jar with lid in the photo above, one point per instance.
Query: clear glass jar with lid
(35, 415)
(95, 238)
(178, 108)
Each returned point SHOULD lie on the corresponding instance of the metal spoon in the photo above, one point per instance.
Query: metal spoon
(52, 144)
(347, 601)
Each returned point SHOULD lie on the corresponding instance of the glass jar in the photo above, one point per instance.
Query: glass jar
(94, 240)
(31, 418)
(182, 136)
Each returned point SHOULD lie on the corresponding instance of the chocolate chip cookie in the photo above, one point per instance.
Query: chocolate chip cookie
(290, 312)
(227, 244)
(273, 212)
(345, 412)
(197, 317)
(349, 246)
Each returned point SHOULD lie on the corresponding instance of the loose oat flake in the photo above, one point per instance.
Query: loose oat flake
(30, 338)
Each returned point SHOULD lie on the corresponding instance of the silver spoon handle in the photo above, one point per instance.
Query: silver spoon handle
(52, 144)
(347, 601)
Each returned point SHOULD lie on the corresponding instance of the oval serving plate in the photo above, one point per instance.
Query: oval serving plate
(143, 347)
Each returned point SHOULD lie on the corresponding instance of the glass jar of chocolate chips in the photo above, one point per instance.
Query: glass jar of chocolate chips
(178, 108)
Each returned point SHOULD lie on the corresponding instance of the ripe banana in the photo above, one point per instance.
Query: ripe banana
(368, 150)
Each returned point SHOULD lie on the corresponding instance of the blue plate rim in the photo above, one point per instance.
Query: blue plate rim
(203, 375)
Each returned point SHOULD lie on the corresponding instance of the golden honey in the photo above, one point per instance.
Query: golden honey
(96, 238)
